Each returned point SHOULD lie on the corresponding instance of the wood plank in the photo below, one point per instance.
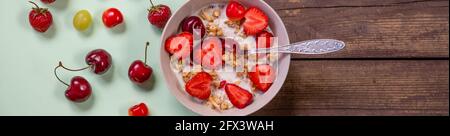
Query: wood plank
(363, 87)
(371, 28)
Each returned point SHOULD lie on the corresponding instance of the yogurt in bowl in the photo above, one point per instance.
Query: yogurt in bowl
(204, 59)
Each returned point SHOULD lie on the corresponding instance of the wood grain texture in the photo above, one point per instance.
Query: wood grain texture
(371, 28)
(363, 87)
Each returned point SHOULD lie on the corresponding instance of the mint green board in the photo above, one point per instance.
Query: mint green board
(27, 59)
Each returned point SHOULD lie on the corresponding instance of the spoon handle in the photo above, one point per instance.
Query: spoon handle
(316, 46)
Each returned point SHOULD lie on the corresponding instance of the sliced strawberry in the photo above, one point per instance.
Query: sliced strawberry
(264, 39)
(180, 45)
(262, 76)
(255, 21)
(238, 96)
(200, 86)
(209, 55)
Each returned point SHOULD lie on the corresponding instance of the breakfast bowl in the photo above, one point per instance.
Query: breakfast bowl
(202, 105)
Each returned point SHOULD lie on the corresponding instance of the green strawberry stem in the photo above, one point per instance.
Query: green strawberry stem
(151, 2)
(34, 4)
(153, 7)
(38, 9)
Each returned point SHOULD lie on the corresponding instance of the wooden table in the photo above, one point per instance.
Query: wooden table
(396, 61)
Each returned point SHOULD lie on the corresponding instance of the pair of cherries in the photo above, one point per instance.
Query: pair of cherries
(100, 61)
(79, 89)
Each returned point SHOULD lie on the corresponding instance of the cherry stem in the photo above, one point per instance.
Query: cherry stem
(34, 4)
(151, 2)
(56, 75)
(146, 46)
(62, 66)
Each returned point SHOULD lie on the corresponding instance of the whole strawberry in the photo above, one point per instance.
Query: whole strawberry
(48, 1)
(159, 15)
(40, 18)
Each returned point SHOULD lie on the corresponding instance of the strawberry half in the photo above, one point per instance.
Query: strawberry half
(238, 96)
(255, 21)
(200, 86)
(209, 55)
(264, 39)
(262, 76)
(180, 45)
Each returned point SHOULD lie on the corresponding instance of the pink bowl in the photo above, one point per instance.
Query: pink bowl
(172, 27)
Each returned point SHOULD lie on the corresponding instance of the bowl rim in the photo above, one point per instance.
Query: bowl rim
(178, 98)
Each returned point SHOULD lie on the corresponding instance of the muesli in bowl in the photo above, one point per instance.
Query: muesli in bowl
(208, 56)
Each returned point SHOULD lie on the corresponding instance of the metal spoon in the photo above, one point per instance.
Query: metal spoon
(316, 46)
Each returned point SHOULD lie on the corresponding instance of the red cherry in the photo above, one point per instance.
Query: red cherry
(138, 110)
(112, 17)
(193, 22)
(48, 1)
(235, 11)
(139, 71)
(99, 60)
(40, 18)
(159, 15)
(79, 89)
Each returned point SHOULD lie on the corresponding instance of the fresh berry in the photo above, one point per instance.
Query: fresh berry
(180, 45)
(112, 17)
(262, 76)
(82, 20)
(139, 71)
(209, 55)
(255, 21)
(138, 110)
(99, 60)
(222, 84)
(79, 89)
(200, 86)
(264, 40)
(159, 15)
(48, 1)
(40, 18)
(193, 22)
(235, 11)
(238, 96)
